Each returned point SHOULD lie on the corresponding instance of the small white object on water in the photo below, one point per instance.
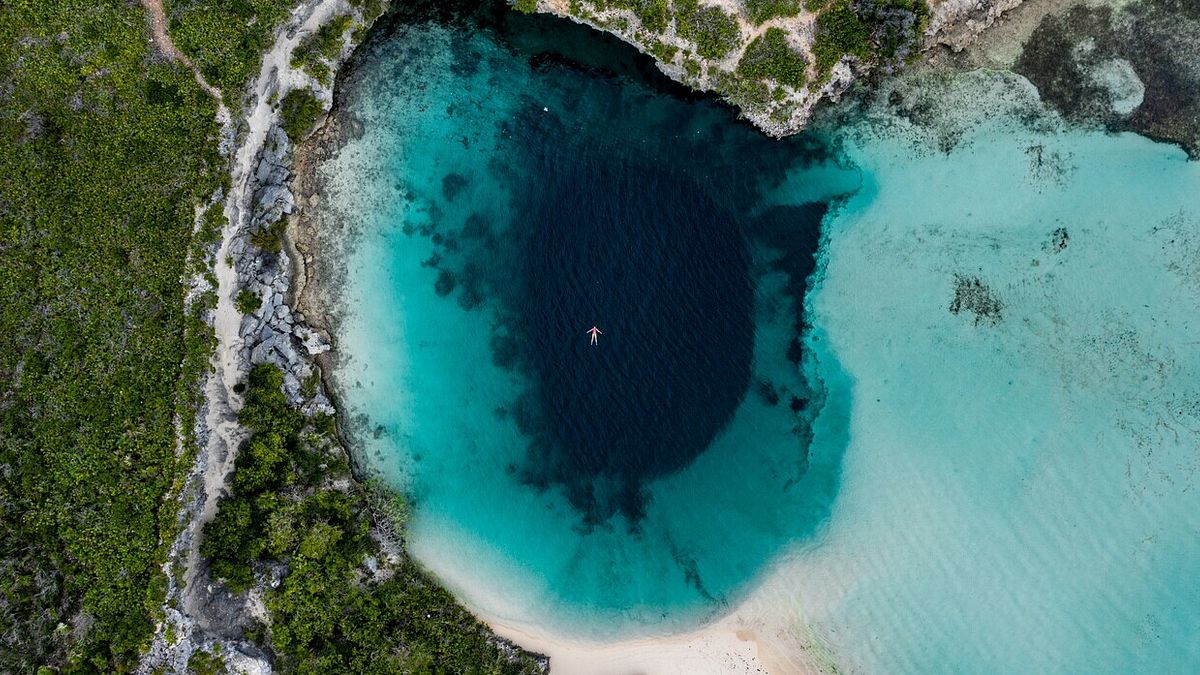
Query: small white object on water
(545, 110)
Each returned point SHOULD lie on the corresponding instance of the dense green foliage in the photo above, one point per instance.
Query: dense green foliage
(205, 663)
(878, 29)
(765, 10)
(328, 615)
(896, 24)
(744, 92)
(662, 51)
(715, 32)
(299, 111)
(270, 459)
(106, 151)
(315, 51)
(769, 56)
(225, 38)
(655, 15)
(840, 32)
(247, 301)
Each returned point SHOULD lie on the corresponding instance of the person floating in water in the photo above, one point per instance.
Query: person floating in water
(595, 333)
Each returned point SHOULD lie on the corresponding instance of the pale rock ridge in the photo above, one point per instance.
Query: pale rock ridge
(200, 615)
(952, 23)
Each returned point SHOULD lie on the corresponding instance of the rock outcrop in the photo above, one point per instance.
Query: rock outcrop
(274, 333)
(775, 107)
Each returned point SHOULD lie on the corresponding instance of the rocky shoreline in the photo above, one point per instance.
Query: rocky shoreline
(1131, 67)
(953, 24)
(316, 239)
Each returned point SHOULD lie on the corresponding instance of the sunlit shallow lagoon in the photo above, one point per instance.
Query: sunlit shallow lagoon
(935, 365)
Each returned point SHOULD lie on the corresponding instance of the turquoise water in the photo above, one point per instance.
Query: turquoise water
(967, 443)
(518, 198)
(1019, 493)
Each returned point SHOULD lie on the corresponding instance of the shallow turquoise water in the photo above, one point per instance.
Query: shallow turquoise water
(1020, 493)
(1009, 492)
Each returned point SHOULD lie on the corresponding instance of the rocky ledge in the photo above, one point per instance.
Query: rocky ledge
(272, 333)
(777, 60)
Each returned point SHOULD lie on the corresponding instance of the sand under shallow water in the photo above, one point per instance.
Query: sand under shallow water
(967, 444)
(1018, 317)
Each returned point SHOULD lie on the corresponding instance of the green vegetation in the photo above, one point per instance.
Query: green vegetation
(370, 9)
(330, 614)
(315, 51)
(107, 150)
(299, 111)
(748, 94)
(765, 10)
(525, 6)
(204, 663)
(715, 32)
(247, 301)
(874, 29)
(840, 32)
(898, 24)
(655, 15)
(769, 56)
(269, 239)
(225, 38)
(662, 51)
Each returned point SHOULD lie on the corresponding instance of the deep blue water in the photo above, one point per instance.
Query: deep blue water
(518, 181)
(664, 272)
(633, 206)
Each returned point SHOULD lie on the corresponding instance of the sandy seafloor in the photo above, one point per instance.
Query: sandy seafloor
(1016, 489)
(1019, 492)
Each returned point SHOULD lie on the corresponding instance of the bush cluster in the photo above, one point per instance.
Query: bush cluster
(328, 614)
(655, 15)
(770, 57)
(299, 111)
(714, 32)
(870, 29)
(840, 32)
(247, 301)
(316, 50)
(760, 11)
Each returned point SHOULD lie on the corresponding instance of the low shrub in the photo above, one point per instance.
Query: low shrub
(247, 301)
(770, 57)
(299, 111)
(840, 32)
(316, 50)
(760, 11)
(715, 32)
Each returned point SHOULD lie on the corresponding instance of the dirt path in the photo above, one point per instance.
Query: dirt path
(162, 40)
